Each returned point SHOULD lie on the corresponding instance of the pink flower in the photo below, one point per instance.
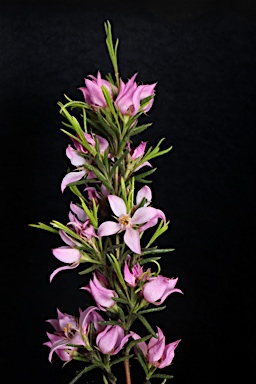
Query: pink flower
(130, 96)
(90, 316)
(143, 215)
(66, 332)
(132, 277)
(78, 160)
(156, 289)
(111, 340)
(137, 153)
(93, 94)
(156, 352)
(102, 295)
(67, 254)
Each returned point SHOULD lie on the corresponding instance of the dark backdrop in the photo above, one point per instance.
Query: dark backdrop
(202, 54)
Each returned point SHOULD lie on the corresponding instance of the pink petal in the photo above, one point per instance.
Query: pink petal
(62, 269)
(139, 151)
(108, 228)
(147, 163)
(80, 213)
(67, 239)
(168, 354)
(96, 94)
(71, 177)
(128, 276)
(117, 205)
(132, 240)
(143, 215)
(142, 345)
(67, 254)
(74, 157)
(144, 192)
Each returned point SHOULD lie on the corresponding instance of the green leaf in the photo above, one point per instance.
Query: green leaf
(89, 213)
(81, 373)
(161, 376)
(152, 310)
(88, 270)
(140, 358)
(100, 176)
(45, 227)
(126, 357)
(142, 175)
(118, 162)
(117, 269)
(139, 129)
(146, 324)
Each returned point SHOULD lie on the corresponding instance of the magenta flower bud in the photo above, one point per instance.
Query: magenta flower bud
(111, 340)
(102, 296)
(156, 289)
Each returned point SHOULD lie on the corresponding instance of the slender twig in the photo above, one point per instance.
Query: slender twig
(127, 371)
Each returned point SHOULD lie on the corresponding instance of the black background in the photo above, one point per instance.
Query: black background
(202, 54)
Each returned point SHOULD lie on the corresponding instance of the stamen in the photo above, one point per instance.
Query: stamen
(124, 220)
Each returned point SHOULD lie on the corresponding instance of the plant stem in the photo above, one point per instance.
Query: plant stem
(127, 371)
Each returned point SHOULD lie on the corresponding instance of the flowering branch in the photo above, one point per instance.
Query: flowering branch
(105, 231)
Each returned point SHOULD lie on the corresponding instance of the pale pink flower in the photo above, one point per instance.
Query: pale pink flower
(127, 223)
(102, 295)
(158, 288)
(66, 332)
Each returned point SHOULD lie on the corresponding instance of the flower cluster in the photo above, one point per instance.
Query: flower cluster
(107, 228)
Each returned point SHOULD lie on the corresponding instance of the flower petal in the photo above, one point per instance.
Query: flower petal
(62, 269)
(132, 240)
(143, 215)
(108, 228)
(117, 205)
(71, 177)
(67, 254)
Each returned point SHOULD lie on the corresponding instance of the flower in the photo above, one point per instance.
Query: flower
(78, 160)
(137, 153)
(102, 296)
(126, 222)
(93, 94)
(156, 352)
(66, 332)
(90, 316)
(69, 254)
(112, 339)
(130, 96)
(132, 277)
(156, 289)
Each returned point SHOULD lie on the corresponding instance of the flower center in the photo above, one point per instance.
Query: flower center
(69, 332)
(124, 220)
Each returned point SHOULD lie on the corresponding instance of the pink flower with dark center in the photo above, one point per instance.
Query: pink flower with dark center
(66, 332)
